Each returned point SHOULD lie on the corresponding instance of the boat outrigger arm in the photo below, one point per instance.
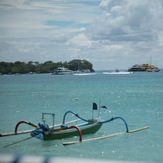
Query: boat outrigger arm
(99, 122)
(93, 120)
(33, 125)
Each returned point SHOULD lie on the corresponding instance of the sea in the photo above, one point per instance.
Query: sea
(136, 97)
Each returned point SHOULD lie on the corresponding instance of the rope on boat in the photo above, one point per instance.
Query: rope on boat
(113, 118)
(79, 131)
(17, 142)
(73, 114)
(26, 122)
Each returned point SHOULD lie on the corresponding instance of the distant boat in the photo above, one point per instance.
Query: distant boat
(117, 72)
(144, 67)
(62, 71)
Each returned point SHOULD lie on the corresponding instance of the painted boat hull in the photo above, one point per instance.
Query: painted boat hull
(85, 129)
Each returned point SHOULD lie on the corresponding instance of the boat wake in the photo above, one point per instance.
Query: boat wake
(80, 74)
(117, 73)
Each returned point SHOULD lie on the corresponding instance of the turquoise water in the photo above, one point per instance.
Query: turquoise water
(137, 97)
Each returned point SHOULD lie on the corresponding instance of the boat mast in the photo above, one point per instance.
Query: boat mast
(99, 110)
(151, 60)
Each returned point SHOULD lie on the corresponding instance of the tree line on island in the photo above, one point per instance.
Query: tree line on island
(46, 67)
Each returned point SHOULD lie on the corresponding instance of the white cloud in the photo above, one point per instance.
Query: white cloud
(25, 28)
(80, 40)
(108, 33)
(135, 26)
(105, 4)
(133, 20)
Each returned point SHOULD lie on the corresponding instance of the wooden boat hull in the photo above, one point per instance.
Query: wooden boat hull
(64, 133)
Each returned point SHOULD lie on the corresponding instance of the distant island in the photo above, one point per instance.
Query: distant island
(144, 67)
(46, 67)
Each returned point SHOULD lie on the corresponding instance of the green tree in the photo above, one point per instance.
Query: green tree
(74, 64)
(46, 67)
(5, 67)
(78, 64)
(31, 66)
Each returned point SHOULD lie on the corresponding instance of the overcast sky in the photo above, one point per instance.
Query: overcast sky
(108, 33)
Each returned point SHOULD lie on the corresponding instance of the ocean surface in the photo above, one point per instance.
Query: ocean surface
(137, 97)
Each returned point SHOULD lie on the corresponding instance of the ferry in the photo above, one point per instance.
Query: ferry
(144, 67)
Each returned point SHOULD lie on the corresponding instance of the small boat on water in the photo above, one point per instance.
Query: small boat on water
(62, 71)
(64, 131)
(60, 131)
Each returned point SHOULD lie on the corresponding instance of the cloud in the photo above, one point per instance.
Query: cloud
(80, 40)
(135, 26)
(108, 33)
(38, 29)
(128, 21)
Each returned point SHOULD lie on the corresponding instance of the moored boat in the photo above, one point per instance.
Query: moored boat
(62, 71)
(86, 128)
(60, 131)
(44, 132)
(144, 67)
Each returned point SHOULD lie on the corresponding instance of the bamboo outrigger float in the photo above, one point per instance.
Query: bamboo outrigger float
(44, 132)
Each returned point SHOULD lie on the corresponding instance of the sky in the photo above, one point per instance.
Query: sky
(108, 33)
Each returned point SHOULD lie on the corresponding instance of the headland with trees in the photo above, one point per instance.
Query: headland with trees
(19, 67)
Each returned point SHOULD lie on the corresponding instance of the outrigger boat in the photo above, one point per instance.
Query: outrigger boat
(60, 131)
